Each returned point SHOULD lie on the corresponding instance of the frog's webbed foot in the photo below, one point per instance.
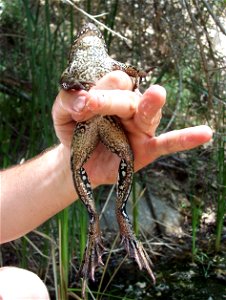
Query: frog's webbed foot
(131, 71)
(115, 139)
(135, 249)
(85, 140)
(92, 258)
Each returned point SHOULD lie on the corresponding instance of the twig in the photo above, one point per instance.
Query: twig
(180, 84)
(106, 202)
(216, 20)
(174, 115)
(93, 18)
(202, 53)
(148, 197)
(35, 247)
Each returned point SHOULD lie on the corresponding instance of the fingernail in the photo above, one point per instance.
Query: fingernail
(79, 103)
(96, 101)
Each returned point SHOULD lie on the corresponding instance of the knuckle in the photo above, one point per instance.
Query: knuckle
(120, 80)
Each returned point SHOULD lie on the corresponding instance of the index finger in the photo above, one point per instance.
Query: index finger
(115, 80)
(113, 96)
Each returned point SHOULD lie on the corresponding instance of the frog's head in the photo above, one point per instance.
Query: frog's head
(89, 37)
(89, 29)
(68, 82)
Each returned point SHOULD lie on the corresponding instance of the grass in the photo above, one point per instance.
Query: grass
(221, 187)
(196, 213)
(64, 252)
(40, 38)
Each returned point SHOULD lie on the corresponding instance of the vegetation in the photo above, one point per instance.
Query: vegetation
(183, 40)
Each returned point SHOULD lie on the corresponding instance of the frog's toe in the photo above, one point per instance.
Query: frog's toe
(92, 258)
(135, 249)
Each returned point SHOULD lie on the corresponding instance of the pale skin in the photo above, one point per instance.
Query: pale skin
(43, 186)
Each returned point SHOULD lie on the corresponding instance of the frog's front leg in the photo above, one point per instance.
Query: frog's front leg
(84, 141)
(114, 138)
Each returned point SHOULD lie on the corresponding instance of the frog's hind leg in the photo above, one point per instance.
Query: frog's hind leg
(114, 138)
(84, 141)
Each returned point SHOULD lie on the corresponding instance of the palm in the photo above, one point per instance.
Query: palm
(139, 119)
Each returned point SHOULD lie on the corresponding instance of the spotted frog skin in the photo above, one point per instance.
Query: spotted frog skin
(88, 62)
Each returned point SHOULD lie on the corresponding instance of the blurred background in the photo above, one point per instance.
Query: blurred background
(177, 204)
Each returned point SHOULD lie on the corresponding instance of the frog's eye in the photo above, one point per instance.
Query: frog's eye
(64, 85)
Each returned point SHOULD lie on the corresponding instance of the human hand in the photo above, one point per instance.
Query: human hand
(139, 115)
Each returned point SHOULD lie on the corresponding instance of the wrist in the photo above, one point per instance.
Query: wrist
(43, 187)
(59, 165)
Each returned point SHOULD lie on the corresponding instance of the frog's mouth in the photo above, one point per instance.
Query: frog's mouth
(71, 85)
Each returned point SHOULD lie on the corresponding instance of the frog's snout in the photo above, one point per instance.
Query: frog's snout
(69, 83)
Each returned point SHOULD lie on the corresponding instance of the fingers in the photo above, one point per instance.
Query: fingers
(113, 102)
(70, 106)
(149, 111)
(115, 80)
(113, 96)
(180, 140)
(170, 142)
(114, 99)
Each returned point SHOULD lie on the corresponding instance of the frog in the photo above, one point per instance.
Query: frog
(88, 62)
